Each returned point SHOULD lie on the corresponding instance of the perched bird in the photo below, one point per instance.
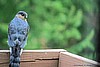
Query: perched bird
(17, 37)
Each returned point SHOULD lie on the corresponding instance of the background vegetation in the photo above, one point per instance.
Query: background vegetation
(63, 24)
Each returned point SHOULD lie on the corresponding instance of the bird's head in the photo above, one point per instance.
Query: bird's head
(22, 14)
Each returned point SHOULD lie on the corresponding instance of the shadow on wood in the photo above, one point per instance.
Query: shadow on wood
(48, 58)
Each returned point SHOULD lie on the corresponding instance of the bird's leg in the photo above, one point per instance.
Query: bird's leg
(10, 50)
(21, 51)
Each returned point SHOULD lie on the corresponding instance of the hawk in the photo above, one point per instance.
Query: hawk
(17, 37)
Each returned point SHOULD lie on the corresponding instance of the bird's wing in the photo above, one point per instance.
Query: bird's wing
(24, 34)
(11, 31)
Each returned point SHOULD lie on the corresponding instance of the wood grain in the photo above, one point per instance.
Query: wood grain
(31, 58)
(67, 59)
(40, 63)
(37, 63)
(48, 58)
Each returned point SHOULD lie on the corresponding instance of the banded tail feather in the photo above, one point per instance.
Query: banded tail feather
(15, 57)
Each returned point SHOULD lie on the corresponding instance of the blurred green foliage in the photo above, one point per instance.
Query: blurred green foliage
(63, 24)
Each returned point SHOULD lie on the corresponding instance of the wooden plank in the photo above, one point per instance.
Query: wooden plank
(37, 63)
(4, 57)
(4, 65)
(27, 56)
(48, 58)
(41, 63)
(32, 56)
(67, 59)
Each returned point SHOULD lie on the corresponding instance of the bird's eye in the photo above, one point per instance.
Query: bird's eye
(22, 14)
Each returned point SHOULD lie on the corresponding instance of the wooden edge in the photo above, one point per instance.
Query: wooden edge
(46, 50)
(80, 58)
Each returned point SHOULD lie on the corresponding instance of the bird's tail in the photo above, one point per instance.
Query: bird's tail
(15, 57)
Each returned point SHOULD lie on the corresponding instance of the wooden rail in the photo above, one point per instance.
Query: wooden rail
(48, 58)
